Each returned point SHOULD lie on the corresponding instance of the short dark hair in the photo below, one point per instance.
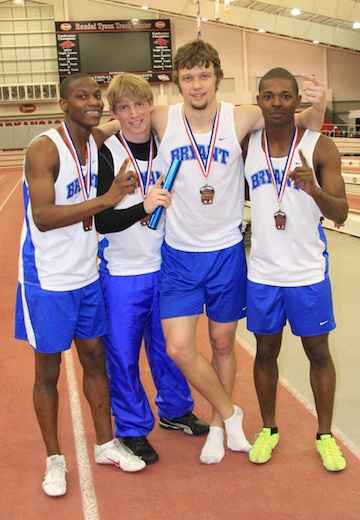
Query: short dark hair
(196, 52)
(67, 82)
(281, 73)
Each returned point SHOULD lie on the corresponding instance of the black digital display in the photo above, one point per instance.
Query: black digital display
(104, 49)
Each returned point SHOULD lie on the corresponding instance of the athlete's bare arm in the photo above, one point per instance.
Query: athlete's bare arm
(102, 132)
(42, 165)
(330, 196)
(313, 91)
(159, 118)
(248, 117)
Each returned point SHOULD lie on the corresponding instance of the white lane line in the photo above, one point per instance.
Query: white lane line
(308, 405)
(89, 502)
(11, 192)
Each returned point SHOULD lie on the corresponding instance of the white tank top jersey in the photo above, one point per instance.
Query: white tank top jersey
(135, 250)
(297, 255)
(191, 225)
(61, 259)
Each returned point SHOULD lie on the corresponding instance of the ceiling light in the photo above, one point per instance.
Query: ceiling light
(356, 25)
(261, 30)
(316, 41)
(295, 11)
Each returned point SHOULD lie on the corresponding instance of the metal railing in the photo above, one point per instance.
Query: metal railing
(339, 130)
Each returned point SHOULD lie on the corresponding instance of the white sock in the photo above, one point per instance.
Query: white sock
(213, 450)
(236, 439)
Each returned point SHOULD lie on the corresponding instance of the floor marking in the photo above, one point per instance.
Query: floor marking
(11, 192)
(90, 507)
(89, 502)
(311, 408)
(308, 405)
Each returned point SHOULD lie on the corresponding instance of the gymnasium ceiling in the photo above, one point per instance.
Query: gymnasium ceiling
(330, 22)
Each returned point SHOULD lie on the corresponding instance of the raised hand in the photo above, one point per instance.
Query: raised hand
(313, 91)
(123, 184)
(303, 177)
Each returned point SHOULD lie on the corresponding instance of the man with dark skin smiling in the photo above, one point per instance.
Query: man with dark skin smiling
(59, 297)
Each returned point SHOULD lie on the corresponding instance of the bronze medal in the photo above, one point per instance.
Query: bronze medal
(144, 221)
(280, 185)
(280, 220)
(207, 194)
(87, 224)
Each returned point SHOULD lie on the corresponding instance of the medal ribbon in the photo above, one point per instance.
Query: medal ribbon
(143, 185)
(84, 180)
(204, 164)
(280, 191)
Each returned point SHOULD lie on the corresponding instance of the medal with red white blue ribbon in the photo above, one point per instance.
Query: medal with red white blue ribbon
(84, 178)
(279, 216)
(143, 178)
(207, 192)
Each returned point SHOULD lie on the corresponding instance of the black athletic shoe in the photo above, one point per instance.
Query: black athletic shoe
(141, 447)
(188, 423)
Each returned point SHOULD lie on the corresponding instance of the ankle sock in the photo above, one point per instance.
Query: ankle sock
(236, 439)
(318, 435)
(213, 450)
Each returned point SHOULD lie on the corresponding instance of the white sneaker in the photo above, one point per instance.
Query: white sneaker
(115, 452)
(54, 483)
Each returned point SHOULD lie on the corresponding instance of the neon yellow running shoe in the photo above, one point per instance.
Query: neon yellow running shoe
(330, 452)
(263, 446)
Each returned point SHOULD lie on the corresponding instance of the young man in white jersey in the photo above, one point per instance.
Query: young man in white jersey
(129, 270)
(203, 255)
(294, 178)
(59, 297)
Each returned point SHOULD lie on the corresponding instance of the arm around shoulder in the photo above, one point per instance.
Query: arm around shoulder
(314, 93)
(159, 119)
(248, 118)
(102, 132)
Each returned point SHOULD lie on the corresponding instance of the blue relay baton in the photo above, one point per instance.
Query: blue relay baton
(167, 185)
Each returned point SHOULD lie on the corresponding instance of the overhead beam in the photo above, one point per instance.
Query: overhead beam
(342, 9)
(272, 23)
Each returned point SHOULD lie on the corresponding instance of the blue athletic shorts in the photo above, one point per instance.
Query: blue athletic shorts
(308, 309)
(50, 320)
(217, 280)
